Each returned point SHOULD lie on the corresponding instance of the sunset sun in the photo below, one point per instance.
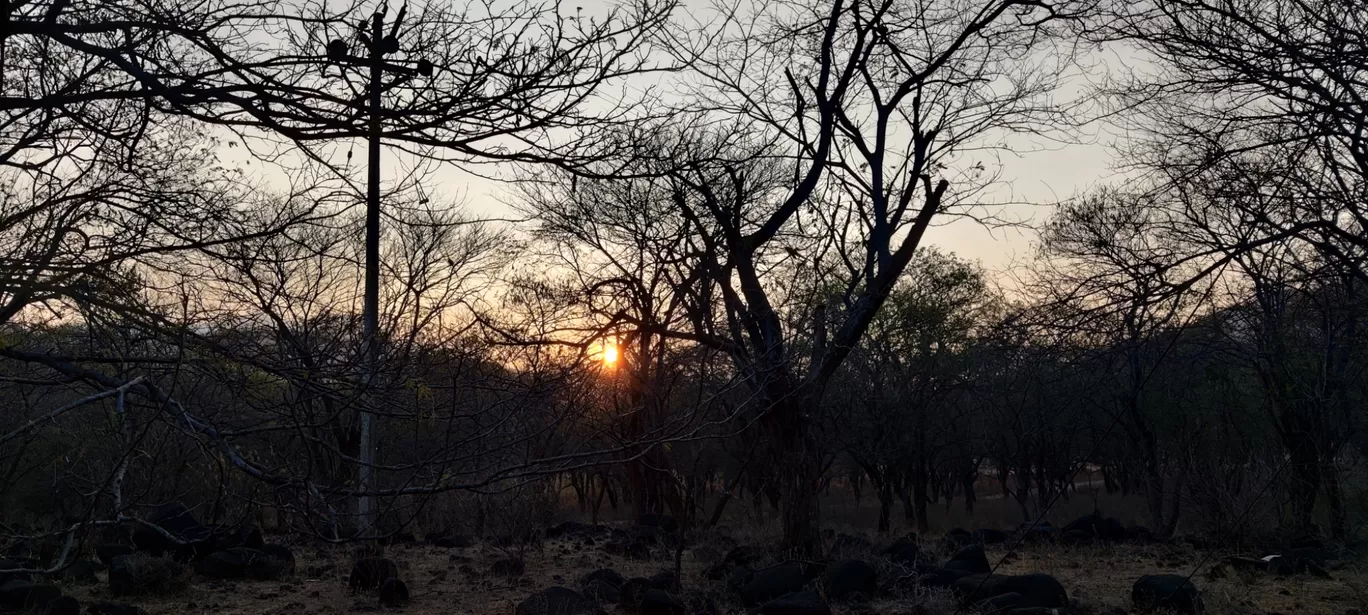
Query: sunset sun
(610, 354)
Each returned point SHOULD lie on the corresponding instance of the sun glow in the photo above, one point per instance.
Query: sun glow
(610, 353)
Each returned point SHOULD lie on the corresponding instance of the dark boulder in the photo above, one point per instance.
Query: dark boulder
(369, 574)
(113, 608)
(665, 579)
(451, 541)
(737, 557)
(1139, 534)
(139, 574)
(990, 537)
(958, 538)
(846, 544)
(282, 554)
(1001, 604)
(846, 578)
(660, 602)
(1087, 524)
(664, 522)
(903, 551)
(775, 581)
(13, 564)
(977, 587)
(601, 591)
(80, 572)
(796, 603)
(107, 553)
(16, 595)
(1076, 538)
(1111, 530)
(970, 559)
(183, 537)
(1166, 591)
(65, 605)
(554, 601)
(241, 563)
(605, 575)
(393, 592)
(1036, 589)
(632, 592)
(508, 567)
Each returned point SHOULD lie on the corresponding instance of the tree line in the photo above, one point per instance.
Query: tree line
(738, 201)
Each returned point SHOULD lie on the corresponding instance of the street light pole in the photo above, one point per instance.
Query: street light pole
(377, 44)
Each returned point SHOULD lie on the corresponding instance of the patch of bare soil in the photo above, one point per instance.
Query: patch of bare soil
(453, 582)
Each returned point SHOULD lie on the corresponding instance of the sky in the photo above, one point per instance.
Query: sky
(1045, 174)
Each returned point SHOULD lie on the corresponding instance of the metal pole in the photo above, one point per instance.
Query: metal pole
(365, 504)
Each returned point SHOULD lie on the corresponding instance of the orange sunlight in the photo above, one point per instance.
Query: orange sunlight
(610, 353)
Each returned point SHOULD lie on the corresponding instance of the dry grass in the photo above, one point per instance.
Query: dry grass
(1099, 577)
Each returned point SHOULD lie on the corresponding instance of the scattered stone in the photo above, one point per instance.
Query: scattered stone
(112, 608)
(554, 601)
(64, 605)
(1166, 591)
(393, 592)
(796, 603)
(80, 572)
(970, 559)
(141, 574)
(846, 578)
(776, 581)
(107, 553)
(370, 573)
(660, 602)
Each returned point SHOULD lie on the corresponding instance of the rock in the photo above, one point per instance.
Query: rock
(970, 559)
(393, 592)
(241, 563)
(12, 564)
(112, 608)
(664, 522)
(1076, 538)
(775, 581)
(65, 605)
(846, 578)
(978, 587)
(282, 554)
(370, 573)
(16, 595)
(1139, 534)
(1086, 524)
(1001, 603)
(958, 538)
(605, 575)
(554, 601)
(903, 551)
(1038, 533)
(1037, 590)
(451, 541)
(80, 572)
(632, 592)
(107, 553)
(508, 567)
(796, 603)
(846, 544)
(990, 537)
(185, 534)
(140, 574)
(1111, 530)
(660, 602)
(665, 579)
(602, 592)
(1166, 591)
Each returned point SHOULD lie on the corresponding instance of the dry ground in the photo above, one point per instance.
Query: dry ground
(1099, 578)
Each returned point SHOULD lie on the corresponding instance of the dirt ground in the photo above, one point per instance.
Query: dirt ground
(1098, 578)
